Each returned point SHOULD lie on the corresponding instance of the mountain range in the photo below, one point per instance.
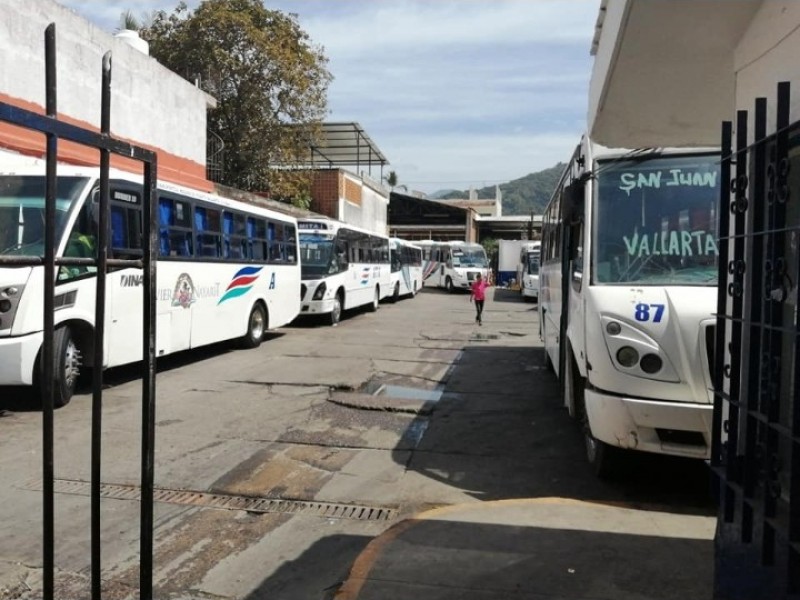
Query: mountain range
(523, 196)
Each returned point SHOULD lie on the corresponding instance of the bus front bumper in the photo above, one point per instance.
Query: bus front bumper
(18, 357)
(674, 428)
(317, 307)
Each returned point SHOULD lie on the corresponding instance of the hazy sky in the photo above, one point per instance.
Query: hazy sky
(455, 93)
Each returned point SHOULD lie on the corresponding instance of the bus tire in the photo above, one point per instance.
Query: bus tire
(66, 367)
(256, 326)
(606, 460)
(336, 313)
(375, 300)
(448, 284)
(396, 292)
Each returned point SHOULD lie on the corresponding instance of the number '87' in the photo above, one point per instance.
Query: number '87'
(649, 312)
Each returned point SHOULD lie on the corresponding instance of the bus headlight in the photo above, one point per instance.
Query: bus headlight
(320, 291)
(627, 356)
(631, 350)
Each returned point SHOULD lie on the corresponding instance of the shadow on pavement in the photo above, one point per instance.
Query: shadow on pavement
(440, 559)
(499, 431)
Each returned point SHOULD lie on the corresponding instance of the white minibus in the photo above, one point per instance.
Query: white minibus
(406, 268)
(225, 270)
(343, 267)
(452, 265)
(528, 270)
(628, 296)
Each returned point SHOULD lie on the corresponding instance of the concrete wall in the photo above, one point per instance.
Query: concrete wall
(150, 105)
(766, 54)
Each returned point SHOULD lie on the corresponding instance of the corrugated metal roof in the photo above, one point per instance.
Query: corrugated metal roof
(343, 145)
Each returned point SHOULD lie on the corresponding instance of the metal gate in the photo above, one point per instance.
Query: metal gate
(756, 442)
(54, 131)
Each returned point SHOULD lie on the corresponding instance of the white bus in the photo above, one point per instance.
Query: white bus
(343, 267)
(225, 270)
(452, 265)
(528, 270)
(628, 294)
(406, 268)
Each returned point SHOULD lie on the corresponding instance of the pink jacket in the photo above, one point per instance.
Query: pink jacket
(479, 289)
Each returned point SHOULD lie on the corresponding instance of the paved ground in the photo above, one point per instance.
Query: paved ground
(282, 474)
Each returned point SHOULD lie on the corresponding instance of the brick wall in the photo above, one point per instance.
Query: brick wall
(325, 193)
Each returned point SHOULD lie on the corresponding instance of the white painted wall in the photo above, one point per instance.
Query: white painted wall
(150, 105)
(372, 213)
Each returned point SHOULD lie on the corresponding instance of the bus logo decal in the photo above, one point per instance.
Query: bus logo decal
(183, 294)
(241, 283)
(364, 275)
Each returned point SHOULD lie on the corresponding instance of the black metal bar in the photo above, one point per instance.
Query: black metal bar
(99, 330)
(72, 133)
(48, 325)
(723, 213)
(150, 201)
(72, 261)
(754, 284)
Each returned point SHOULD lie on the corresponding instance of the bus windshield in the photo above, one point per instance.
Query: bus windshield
(656, 222)
(317, 257)
(22, 211)
(470, 256)
(533, 263)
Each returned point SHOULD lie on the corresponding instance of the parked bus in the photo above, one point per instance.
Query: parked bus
(343, 267)
(406, 268)
(528, 270)
(226, 270)
(628, 293)
(452, 265)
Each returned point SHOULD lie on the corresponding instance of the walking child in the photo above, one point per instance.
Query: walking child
(478, 294)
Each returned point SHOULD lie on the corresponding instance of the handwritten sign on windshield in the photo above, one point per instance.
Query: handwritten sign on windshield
(671, 243)
(667, 178)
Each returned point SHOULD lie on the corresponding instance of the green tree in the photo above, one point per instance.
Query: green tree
(391, 179)
(270, 82)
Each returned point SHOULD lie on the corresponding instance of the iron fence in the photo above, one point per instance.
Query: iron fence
(55, 130)
(756, 441)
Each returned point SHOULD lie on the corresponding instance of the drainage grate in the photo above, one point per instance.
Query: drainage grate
(225, 501)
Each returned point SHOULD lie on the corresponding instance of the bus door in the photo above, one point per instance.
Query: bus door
(572, 307)
(124, 287)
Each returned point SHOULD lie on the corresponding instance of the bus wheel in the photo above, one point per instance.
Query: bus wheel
(336, 313)
(448, 284)
(67, 367)
(375, 301)
(256, 326)
(605, 460)
(396, 293)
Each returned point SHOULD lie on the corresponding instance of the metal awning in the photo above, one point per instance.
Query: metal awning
(344, 145)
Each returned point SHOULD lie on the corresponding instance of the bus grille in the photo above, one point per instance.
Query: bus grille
(470, 275)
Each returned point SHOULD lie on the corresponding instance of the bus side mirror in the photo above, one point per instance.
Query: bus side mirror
(572, 202)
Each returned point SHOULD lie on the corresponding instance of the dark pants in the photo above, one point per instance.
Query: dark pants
(479, 309)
